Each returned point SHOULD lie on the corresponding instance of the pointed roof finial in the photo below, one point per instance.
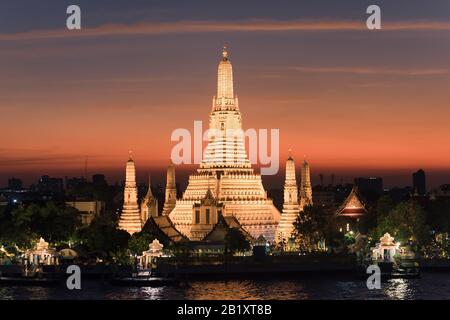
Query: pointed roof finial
(290, 153)
(225, 52)
(130, 155)
(149, 191)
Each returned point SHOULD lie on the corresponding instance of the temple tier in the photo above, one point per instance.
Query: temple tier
(130, 218)
(226, 171)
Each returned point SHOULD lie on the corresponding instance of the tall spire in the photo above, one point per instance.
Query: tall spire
(291, 207)
(305, 186)
(130, 220)
(226, 147)
(290, 153)
(149, 205)
(225, 77)
(290, 171)
(226, 172)
(171, 190)
(149, 191)
(225, 52)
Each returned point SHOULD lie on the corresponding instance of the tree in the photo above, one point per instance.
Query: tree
(12, 234)
(406, 222)
(235, 241)
(316, 224)
(438, 215)
(140, 241)
(383, 208)
(369, 221)
(23, 225)
(57, 223)
(102, 239)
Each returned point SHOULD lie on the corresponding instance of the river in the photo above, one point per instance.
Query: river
(429, 286)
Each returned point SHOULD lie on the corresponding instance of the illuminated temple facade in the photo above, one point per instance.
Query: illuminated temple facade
(225, 183)
(291, 205)
(130, 218)
(295, 200)
(171, 191)
(305, 186)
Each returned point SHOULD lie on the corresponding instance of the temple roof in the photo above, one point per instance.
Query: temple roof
(149, 194)
(352, 206)
(219, 231)
(166, 227)
(209, 199)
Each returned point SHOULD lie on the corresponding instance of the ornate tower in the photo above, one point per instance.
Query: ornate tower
(171, 191)
(130, 219)
(291, 206)
(226, 149)
(226, 171)
(305, 187)
(149, 205)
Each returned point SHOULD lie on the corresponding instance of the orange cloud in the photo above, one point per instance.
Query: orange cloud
(375, 70)
(252, 25)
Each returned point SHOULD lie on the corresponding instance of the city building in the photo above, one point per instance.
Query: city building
(226, 171)
(15, 184)
(130, 218)
(369, 185)
(291, 206)
(99, 180)
(419, 182)
(75, 183)
(88, 209)
(324, 196)
(50, 186)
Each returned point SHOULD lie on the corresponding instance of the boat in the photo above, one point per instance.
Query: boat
(390, 270)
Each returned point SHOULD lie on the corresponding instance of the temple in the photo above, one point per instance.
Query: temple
(305, 187)
(130, 218)
(352, 206)
(350, 211)
(291, 207)
(171, 191)
(149, 205)
(226, 172)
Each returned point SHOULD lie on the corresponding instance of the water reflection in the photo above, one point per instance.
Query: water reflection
(398, 289)
(246, 290)
(430, 286)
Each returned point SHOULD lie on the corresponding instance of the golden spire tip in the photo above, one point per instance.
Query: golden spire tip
(225, 52)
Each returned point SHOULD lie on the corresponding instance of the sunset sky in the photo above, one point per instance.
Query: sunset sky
(355, 102)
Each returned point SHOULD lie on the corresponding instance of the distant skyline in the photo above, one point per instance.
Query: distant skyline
(355, 102)
(391, 178)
